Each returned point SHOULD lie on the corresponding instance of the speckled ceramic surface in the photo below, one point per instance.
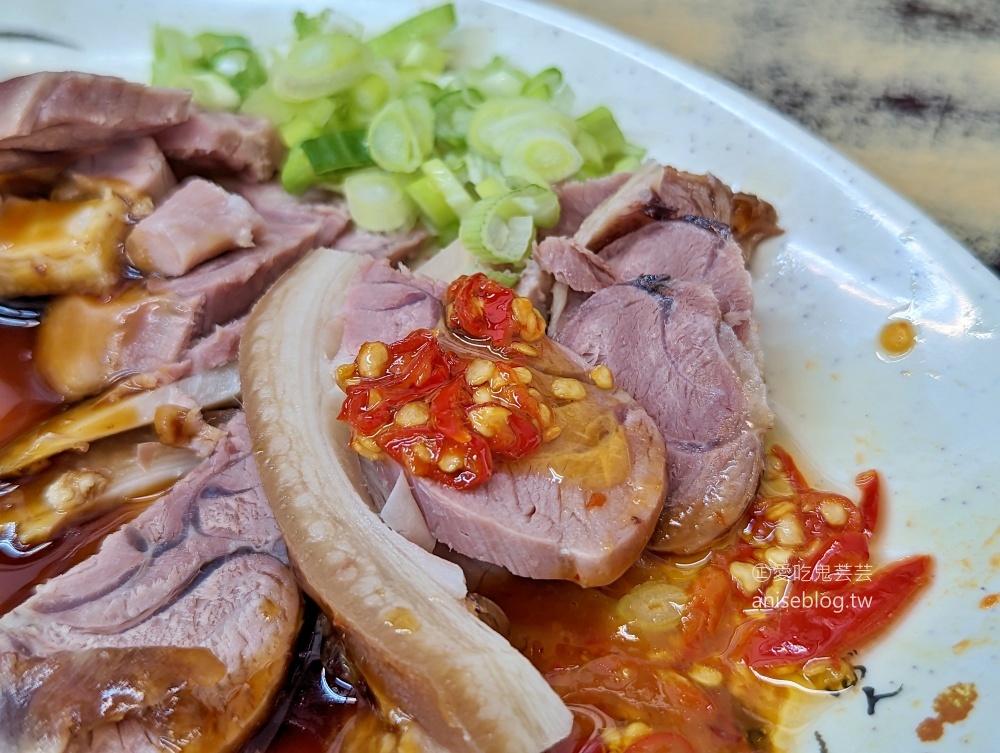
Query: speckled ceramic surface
(853, 257)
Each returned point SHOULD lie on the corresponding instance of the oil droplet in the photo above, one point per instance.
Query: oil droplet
(953, 704)
(990, 601)
(896, 339)
(401, 620)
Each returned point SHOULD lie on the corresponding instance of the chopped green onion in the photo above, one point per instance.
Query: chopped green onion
(498, 121)
(377, 201)
(541, 152)
(432, 204)
(341, 150)
(401, 135)
(498, 78)
(601, 124)
(453, 113)
(543, 85)
(454, 193)
(500, 229)
(297, 174)
(430, 26)
(307, 26)
(319, 66)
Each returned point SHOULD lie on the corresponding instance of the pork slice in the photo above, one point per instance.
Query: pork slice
(67, 111)
(668, 346)
(199, 221)
(392, 246)
(535, 284)
(384, 304)
(220, 143)
(225, 287)
(86, 344)
(577, 199)
(203, 567)
(695, 250)
(138, 165)
(654, 193)
(573, 265)
(750, 219)
(581, 508)
(577, 511)
(275, 204)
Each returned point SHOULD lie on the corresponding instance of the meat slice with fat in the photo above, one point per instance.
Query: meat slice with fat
(135, 169)
(221, 143)
(537, 517)
(464, 684)
(598, 211)
(69, 111)
(202, 568)
(197, 222)
(695, 250)
(668, 346)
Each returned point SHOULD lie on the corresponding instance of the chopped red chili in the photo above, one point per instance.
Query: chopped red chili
(444, 416)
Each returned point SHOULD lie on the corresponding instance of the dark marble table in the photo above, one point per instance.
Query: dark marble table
(909, 89)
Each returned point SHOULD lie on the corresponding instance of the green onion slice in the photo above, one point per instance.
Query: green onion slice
(377, 201)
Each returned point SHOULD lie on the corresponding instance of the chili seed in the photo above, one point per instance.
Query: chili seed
(373, 359)
(776, 590)
(412, 414)
(423, 452)
(489, 420)
(568, 389)
(524, 312)
(343, 373)
(777, 556)
(602, 377)
(833, 512)
(525, 350)
(788, 531)
(545, 414)
(551, 433)
(366, 447)
(479, 372)
(523, 374)
(374, 398)
(703, 675)
(744, 575)
(451, 462)
(482, 395)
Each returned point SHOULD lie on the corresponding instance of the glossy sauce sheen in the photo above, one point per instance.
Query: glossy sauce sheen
(24, 397)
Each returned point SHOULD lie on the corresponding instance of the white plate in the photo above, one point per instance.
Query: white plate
(854, 254)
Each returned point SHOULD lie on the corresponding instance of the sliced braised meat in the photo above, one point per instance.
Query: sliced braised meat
(625, 210)
(275, 204)
(750, 219)
(86, 343)
(668, 347)
(535, 284)
(199, 221)
(573, 265)
(581, 508)
(202, 568)
(220, 143)
(220, 347)
(143, 330)
(225, 287)
(654, 193)
(136, 168)
(391, 246)
(68, 111)
(385, 305)
(695, 250)
(577, 199)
